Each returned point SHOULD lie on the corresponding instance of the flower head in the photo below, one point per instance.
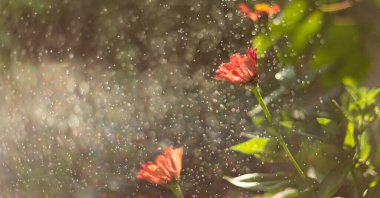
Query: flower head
(240, 69)
(261, 10)
(166, 169)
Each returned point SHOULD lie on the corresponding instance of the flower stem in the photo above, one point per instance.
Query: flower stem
(279, 138)
(262, 104)
(176, 189)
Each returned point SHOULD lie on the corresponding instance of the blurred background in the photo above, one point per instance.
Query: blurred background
(90, 89)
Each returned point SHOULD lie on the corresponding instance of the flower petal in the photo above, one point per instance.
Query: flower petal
(247, 12)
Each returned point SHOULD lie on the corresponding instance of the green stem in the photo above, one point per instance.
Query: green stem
(176, 189)
(280, 139)
(262, 104)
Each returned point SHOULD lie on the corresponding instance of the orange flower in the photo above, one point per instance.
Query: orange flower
(261, 10)
(240, 69)
(165, 170)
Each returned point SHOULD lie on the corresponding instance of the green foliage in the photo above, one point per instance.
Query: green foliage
(365, 146)
(335, 163)
(323, 121)
(290, 16)
(263, 181)
(262, 42)
(349, 139)
(265, 149)
(360, 107)
(343, 51)
(337, 150)
(307, 30)
(287, 124)
(377, 2)
(335, 178)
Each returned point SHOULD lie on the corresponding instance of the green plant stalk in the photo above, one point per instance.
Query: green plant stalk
(176, 189)
(281, 140)
(259, 98)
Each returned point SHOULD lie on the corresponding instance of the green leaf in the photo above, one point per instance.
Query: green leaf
(262, 42)
(323, 121)
(343, 52)
(258, 120)
(377, 2)
(335, 178)
(349, 139)
(265, 149)
(365, 146)
(254, 145)
(262, 181)
(287, 124)
(291, 15)
(360, 106)
(306, 30)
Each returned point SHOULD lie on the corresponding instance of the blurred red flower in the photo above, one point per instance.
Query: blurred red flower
(261, 10)
(165, 170)
(240, 69)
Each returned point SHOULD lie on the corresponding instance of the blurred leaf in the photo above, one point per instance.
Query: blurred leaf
(343, 51)
(349, 139)
(254, 145)
(287, 124)
(334, 180)
(258, 120)
(347, 81)
(290, 16)
(365, 146)
(262, 181)
(323, 157)
(285, 193)
(265, 149)
(377, 2)
(323, 121)
(293, 12)
(261, 42)
(306, 30)
(360, 107)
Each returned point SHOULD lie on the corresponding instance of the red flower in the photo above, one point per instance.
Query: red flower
(240, 69)
(261, 10)
(165, 170)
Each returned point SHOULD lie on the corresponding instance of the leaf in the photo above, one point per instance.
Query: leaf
(263, 176)
(265, 149)
(291, 15)
(283, 193)
(360, 106)
(335, 178)
(323, 121)
(261, 42)
(258, 120)
(306, 30)
(254, 145)
(287, 193)
(365, 146)
(349, 139)
(377, 2)
(343, 52)
(262, 181)
(287, 124)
